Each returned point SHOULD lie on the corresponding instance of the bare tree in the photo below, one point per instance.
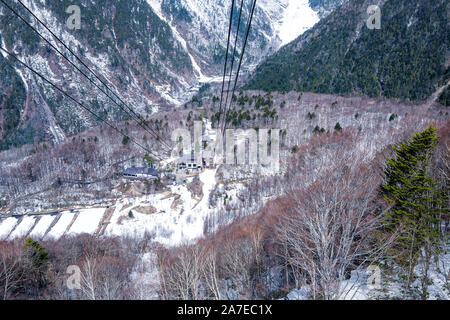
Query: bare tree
(89, 278)
(238, 263)
(181, 271)
(210, 271)
(328, 227)
(11, 273)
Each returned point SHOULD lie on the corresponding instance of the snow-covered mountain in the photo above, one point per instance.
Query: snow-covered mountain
(153, 53)
(203, 25)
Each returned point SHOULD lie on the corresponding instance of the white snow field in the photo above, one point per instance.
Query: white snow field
(41, 227)
(23, 228)
(6, 226)
(61, 226)
(297, 18)
(171, 224)
(173, 217)
(87, 221)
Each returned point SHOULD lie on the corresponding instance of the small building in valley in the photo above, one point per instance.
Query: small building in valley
(187, 164)
(141, 173)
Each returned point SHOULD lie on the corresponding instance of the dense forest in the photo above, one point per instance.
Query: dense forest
(406, 58)
(12, 100)
(444, 98)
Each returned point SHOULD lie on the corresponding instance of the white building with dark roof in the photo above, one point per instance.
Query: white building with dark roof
(141, 173)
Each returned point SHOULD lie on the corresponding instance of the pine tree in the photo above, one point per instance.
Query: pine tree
(37, 252)
(338, 127)
(412, 192)
(36, 259)
(148, 160)
(125, 140)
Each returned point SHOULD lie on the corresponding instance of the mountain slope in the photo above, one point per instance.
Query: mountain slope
(203, 24)
(407, 58)
(325, 7)
(138, 57)
(153, 53)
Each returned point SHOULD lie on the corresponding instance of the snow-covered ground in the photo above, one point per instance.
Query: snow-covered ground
(42, 226)
(4, 54)
(87, 221)
(359, 288)
(6, 226)
(23, 228)
(297, 18)
(145, 278)
(179, 217)
(173, 217)
(61, 226)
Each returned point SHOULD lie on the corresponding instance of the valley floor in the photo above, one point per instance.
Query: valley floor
(173, 217)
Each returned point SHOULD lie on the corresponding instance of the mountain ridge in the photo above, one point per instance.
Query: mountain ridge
(154, 53)
(407, 58)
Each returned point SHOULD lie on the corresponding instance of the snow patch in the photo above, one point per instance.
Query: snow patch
(297, 18)
(87, 221)
(179, 217)
(145, 278)
(42, 226)
(61, 226)
(4, 54)
(23, 228)
(6, 226)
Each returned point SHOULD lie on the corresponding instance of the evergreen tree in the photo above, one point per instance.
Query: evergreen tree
(37, 253)
(148, 160)
(412, 192)
(125, 140)
(36, 258)
(392, 117)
